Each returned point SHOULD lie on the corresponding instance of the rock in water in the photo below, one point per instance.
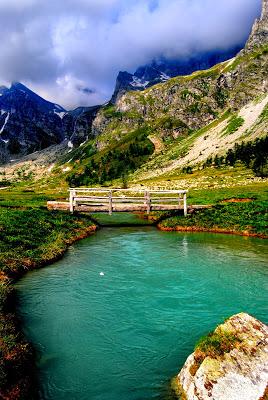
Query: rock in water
(229, 364)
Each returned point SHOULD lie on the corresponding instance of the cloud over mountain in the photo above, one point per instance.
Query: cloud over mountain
(70, 51)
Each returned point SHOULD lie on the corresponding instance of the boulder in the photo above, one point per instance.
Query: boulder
(229, 364)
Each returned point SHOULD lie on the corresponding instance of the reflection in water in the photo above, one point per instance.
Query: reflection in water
(124, 333)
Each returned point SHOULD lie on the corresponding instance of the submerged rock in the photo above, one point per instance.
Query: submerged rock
(229, 364)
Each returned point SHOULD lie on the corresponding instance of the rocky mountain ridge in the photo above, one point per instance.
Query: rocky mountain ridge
(259, 34)
(162, 70)
(28, 123)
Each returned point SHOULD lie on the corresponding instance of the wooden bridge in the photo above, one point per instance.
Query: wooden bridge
(122, 200)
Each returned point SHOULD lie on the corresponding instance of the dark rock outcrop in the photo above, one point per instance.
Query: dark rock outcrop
(77, 124)
(27, 122)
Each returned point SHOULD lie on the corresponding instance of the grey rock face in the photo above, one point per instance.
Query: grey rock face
(259, 34)
(77, 124)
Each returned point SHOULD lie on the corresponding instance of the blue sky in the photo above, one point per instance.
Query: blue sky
(60, 47)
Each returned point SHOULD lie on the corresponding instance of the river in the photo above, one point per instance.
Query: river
(116, 318)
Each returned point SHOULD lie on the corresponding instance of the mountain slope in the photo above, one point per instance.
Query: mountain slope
(188, 118)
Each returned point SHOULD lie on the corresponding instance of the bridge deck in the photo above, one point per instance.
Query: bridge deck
(122, 200)
(65, 206)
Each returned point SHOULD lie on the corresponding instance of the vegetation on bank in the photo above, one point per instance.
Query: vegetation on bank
(214, 345)
(217, 343)
(241, 217)
(29, 239)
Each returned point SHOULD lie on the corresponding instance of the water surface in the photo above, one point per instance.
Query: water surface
(124, 333)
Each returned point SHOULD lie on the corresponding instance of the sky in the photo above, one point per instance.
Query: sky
(70, 51)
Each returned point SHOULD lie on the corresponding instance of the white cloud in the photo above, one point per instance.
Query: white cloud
(57, 46)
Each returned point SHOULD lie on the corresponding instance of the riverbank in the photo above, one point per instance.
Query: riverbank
(29, 239)
(245, 219)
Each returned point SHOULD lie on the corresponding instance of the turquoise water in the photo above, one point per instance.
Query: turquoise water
(124, 334)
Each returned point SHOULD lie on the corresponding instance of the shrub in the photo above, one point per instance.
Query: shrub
(217, 343)
(187, 170)
(109, 111)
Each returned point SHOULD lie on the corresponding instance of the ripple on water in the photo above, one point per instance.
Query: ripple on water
(123, 335)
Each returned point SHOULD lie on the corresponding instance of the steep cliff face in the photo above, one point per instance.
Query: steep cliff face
(229, 364)
(77, 124)
(259, 34)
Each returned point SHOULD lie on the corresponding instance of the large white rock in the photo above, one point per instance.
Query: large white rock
(239, 374)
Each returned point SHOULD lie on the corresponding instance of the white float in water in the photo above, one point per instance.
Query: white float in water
(101, 273)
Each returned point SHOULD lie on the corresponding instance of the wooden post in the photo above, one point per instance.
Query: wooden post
(110, 203)
(185, 204)
(148, 202)
(145, 198)
(71, 202)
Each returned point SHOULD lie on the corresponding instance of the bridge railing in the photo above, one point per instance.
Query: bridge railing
(112, 198)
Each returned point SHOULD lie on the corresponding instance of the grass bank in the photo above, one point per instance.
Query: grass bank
(243, 218)
(29, 239)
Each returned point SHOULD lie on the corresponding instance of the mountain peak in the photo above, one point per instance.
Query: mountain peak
(264, 14)
(259, 33)
(2, 90)
(22, 88)
(18, 85)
